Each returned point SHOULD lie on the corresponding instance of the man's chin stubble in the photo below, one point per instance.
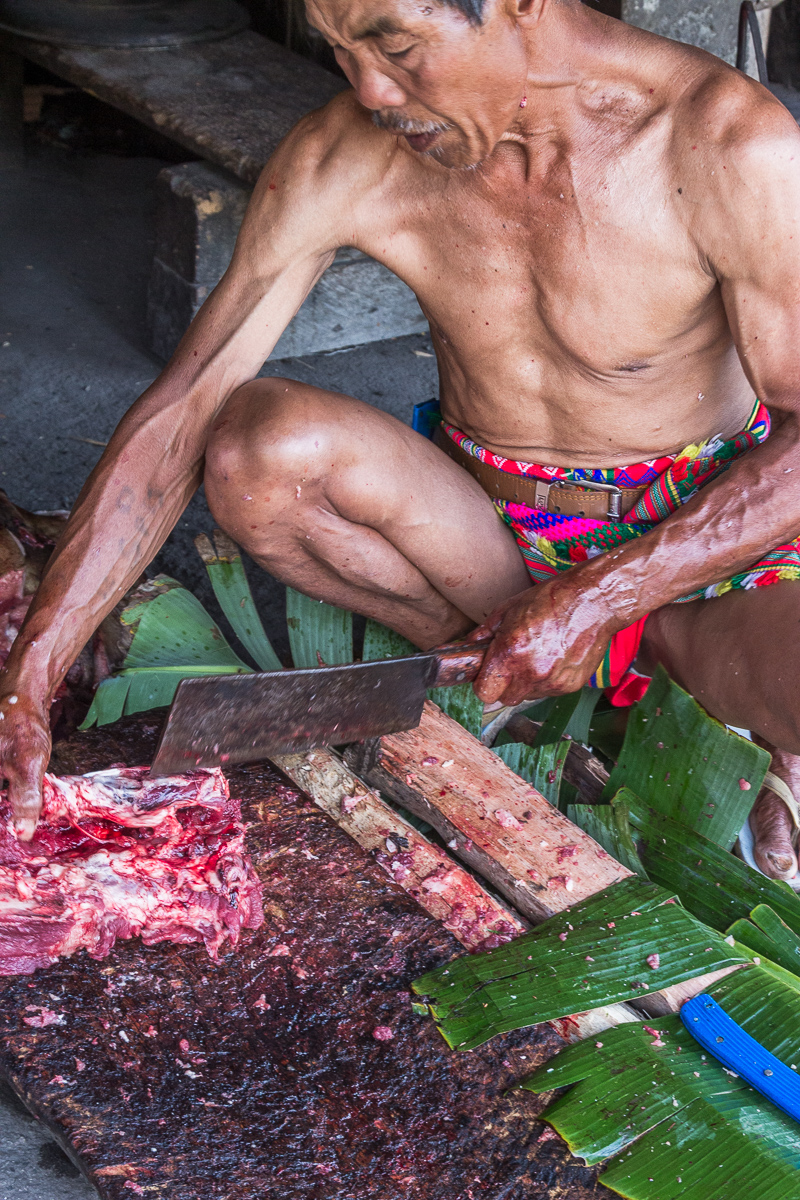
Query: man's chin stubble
(400, 126)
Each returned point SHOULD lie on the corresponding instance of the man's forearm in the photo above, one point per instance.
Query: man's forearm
(122, 517)
(726, 528)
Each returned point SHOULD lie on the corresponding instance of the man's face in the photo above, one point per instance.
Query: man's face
(449, 88)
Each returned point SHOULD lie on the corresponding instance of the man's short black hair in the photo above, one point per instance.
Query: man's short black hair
(471, 9)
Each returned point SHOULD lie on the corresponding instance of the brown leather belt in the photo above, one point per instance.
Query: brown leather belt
(598, 501)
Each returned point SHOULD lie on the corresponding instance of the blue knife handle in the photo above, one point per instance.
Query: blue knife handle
(718, 1033)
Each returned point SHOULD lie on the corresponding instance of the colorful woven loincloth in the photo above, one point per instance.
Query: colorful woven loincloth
(552, 542)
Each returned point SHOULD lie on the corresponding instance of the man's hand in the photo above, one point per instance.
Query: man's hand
(548, 640)
(24, 753)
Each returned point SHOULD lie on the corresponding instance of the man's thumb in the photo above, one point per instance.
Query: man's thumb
(25, 796)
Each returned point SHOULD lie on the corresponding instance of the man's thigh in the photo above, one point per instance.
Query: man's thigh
(738, 654)
(306, 457)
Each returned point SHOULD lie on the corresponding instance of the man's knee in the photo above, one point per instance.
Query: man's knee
(270, 435)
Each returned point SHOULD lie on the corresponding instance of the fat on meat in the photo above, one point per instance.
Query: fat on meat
(118, 855)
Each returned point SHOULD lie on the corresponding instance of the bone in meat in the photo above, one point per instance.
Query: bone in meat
(116, 854)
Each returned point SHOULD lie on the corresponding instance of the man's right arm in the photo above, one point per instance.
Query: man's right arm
(154, 461)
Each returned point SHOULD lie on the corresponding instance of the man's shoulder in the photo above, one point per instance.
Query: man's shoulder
(336, 147)
(724, 120)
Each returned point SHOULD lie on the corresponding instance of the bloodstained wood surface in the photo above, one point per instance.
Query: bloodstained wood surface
(494, 820)
(230, 101)
(444, 888)
(259, 1077)
(436, 881)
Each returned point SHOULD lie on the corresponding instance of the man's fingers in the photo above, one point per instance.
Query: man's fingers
(25, 796)
(492, 681)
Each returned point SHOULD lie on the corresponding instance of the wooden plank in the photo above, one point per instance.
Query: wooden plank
(229, 101)
(492, 819)
(425, 871)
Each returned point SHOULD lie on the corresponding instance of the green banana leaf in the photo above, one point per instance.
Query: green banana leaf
(673, 1121)
(225, 569)
(554, 971)
(767, 934)
(715, 886)
(381, 642)
(541, 767)
(687, 765)
(174, 639)
(611, 828)
(318, 631)
(460, 703)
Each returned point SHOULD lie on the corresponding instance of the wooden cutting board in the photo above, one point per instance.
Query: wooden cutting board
(259, 1077)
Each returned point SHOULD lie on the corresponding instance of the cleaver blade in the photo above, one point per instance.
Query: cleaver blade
(221, 720)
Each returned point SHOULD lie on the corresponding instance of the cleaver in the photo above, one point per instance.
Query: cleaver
(219, 720)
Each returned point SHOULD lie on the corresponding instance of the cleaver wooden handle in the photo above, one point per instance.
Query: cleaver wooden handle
(459, 663)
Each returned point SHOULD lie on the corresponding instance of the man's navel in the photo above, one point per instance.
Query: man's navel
(630, 367)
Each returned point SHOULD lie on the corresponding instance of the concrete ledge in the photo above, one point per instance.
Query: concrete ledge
(199, 209)
(229, 101)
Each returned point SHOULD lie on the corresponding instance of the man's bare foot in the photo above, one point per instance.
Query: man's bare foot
(773, 825)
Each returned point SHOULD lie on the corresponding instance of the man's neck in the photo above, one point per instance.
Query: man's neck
(570, 50)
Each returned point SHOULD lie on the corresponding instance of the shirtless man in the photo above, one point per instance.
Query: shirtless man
(603, 229)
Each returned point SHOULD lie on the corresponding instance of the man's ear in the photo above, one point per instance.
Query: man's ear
(529, 9)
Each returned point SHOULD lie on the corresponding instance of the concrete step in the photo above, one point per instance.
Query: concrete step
(229, 102)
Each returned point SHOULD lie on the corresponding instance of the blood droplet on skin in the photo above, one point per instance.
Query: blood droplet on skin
(272, 187)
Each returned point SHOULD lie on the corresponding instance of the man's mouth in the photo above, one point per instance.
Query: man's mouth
(421, 141)
(420, 135)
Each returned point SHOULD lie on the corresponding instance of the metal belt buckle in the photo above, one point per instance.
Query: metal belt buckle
(614, 496)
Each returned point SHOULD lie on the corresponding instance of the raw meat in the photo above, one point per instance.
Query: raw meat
(118, 855)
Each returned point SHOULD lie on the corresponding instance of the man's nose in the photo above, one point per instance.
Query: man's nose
(373, 88)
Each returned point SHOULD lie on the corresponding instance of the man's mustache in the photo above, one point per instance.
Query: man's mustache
(396, 123)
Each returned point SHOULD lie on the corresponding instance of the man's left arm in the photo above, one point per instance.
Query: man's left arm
(550, 640)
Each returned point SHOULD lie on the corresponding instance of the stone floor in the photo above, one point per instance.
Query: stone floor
(76, 237)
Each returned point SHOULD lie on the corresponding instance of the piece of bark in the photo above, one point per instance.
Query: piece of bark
(581, 768)
(497, 823)
(425, 871)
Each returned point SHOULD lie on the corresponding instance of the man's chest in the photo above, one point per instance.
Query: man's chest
(597, 265)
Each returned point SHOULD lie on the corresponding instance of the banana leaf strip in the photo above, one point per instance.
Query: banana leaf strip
(611, 828)
(581, 719)
(687, 765)
(550, 973)
(721, 1148)
(715, 886)
(625, 1086)
(675, 1122)
(561, 713)
(381, 642)
(765, 1001)
(461, 704)
(318, 631)
(226, 572)
(174, 638)
(767, 934)
(540, 766)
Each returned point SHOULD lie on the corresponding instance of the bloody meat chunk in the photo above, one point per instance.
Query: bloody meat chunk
(118, 855)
